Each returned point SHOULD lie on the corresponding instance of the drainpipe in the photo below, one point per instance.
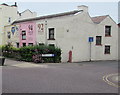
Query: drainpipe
(45, 32)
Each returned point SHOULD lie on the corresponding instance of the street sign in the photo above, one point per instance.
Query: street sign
(48, 55)
(90, 39)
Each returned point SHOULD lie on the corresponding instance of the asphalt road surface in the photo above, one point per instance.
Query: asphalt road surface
(83, 77)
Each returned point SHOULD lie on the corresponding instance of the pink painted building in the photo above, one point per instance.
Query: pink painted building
(27, 33)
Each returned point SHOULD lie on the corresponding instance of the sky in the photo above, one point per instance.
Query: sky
(47, 8)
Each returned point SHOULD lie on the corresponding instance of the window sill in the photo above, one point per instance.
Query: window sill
(51, 39)
(107, 53)
(99, 45)
(108, 36)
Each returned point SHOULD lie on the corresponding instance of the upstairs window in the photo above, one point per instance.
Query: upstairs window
(98, 40)
(107, 49)
(23, 35)
(107, 31)
(51, 34)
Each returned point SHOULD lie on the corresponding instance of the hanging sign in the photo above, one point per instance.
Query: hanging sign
(13, 30)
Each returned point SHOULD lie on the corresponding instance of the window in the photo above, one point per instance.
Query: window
(52, 45)
(8, 34)
(17, 45)
(41, 44)
(107, 30)
(23, 35)
(98, 40)
(24, 44)
(9, 19)
(107, 49)
(30, 44)
(51, 34)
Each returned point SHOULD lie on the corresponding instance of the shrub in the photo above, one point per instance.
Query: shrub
(32, 53)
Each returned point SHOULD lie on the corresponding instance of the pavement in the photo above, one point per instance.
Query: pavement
(83, 77)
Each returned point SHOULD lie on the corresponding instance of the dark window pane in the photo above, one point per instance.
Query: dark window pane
(30, 44)
(51, 33)
(107, 30)
(23, 35)
(24, 44)
(52, 45)
(98, 40)
(41, 44)
(107, 49)
(17, 45)
(9, 35)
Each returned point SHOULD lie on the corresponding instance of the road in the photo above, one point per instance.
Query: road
(83, 77)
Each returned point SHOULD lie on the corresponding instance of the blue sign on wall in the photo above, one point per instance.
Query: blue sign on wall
(13, 30)
(90, 39)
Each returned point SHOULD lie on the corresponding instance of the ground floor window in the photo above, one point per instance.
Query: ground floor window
(24, 44)
(41, 44)
(107, 49)
(17, 44)
(52, 45)
(30, 44)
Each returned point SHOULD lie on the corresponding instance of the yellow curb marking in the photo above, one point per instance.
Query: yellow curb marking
(105, 78)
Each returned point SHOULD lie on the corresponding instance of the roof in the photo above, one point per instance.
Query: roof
(49, 16)
(9, 5)
(98, 19)
(5, 4)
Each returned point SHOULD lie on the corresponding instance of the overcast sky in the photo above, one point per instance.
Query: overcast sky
(47, 8)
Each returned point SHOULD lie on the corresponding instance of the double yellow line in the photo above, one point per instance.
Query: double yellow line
(105, 78)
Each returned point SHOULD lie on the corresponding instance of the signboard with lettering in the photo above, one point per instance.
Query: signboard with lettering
(40, 28)
(48, 55)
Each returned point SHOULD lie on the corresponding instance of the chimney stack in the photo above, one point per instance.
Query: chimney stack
(83, 7)
(16, 4)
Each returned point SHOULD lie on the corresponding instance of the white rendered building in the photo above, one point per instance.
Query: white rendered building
(80, 37)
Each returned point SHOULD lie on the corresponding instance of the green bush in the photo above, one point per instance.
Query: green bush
(27, 53)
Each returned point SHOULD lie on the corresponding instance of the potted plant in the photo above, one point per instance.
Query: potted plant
(2, 60)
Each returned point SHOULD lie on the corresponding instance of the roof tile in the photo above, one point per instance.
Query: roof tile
(98, 19)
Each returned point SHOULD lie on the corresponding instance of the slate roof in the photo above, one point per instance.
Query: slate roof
(98, 19)
(49, 16)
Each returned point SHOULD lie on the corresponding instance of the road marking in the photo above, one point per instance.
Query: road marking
(105, 78)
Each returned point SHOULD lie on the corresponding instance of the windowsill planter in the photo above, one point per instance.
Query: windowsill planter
(2, 60)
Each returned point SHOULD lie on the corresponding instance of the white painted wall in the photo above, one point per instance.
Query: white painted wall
(98, 51)
(5, 13)
(72, 33)
(11, 12)
(80, 28)
(14, 37)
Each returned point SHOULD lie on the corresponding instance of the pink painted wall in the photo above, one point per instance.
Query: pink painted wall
(30, 33)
